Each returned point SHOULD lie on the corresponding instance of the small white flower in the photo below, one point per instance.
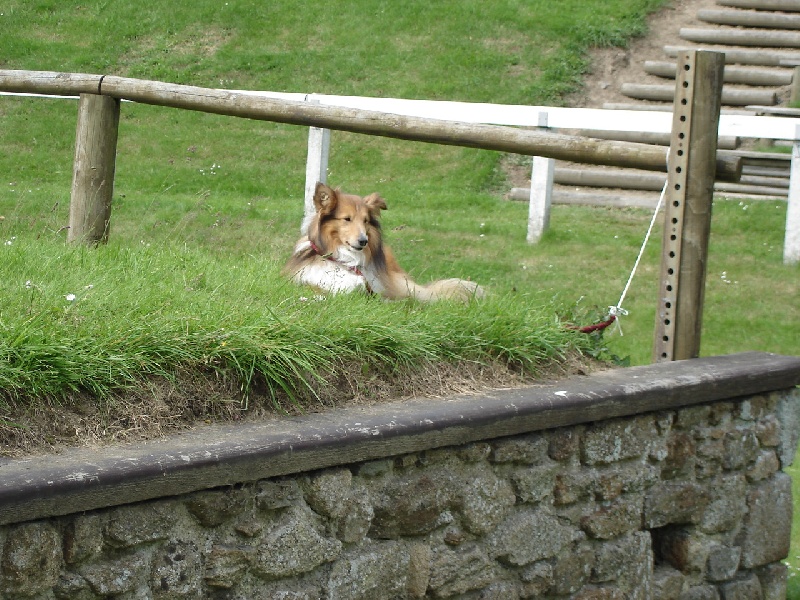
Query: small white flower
(70, 297)
(28, 284)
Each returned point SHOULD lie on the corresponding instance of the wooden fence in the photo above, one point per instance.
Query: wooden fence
(651, 127)
(692, 169)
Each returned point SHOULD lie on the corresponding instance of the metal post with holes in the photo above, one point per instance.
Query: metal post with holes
(690, 178)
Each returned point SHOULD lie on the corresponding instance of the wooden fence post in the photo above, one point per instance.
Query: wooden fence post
(791, 242)
(93, 171)
(689, 196)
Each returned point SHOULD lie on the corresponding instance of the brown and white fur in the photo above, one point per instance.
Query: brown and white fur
(342, 251)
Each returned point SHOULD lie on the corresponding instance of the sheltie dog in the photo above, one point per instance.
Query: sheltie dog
(342, 250)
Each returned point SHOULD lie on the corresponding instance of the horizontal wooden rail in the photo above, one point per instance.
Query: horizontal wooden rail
(369, 122)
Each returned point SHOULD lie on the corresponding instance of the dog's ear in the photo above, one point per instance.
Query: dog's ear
(375, 202)
(324, 198)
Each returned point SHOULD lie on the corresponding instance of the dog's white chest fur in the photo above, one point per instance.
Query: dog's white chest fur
(342, 272)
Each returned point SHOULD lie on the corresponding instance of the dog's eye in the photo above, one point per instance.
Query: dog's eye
(348, 219)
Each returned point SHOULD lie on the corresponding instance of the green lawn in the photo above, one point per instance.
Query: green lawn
(206, 208)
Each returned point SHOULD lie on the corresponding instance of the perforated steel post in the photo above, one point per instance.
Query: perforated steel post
(690, 188)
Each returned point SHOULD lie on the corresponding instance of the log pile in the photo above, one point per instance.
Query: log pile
(761, 42)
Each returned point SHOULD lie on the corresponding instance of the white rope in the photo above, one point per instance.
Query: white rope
(617, 311)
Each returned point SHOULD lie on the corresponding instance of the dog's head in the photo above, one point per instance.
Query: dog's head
(345, 220)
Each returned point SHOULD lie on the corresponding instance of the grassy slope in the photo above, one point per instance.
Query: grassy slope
(227, 193)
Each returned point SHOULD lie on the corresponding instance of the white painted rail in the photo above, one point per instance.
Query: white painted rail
(734, 125)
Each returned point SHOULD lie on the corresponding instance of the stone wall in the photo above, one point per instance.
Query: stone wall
(681, 502)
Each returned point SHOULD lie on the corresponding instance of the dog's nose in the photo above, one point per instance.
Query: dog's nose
(362, 240)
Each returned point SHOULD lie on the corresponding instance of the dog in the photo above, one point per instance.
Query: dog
(342, 251)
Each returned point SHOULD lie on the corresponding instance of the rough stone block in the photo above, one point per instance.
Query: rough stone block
(354, 524)
(419, 570)
(723, 562)
(573, 569)
(599, 593)
(225, 565)
(326, 492)
(788, 413)
(728, 504)
(700, 592)
(628, 560)
(535, 483)
(536, 580)
(212, 508)
(773, 580)
(275, 494)
(83, 538)
(611, 481)
(764, 466)
(692, 416)
(528, 450)
(294, 546)
(134, 525)
(564, 443)
(768, 431)
(371, 571)
(528, 536)
(476, 452)
(611, 441)
(747, 588)
(459, 571)
(683, 549)
(766, 528)
(413, 505)
(672, 502)
(740, 448)
(667, 583)
(72, 586)
(117, 577)
(612, 520)
(680, 456)
(485, 501)
(572, 486)
(176, 571)
(31, 559)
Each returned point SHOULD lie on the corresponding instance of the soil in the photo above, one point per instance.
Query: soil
(165, 407)
(611, 67)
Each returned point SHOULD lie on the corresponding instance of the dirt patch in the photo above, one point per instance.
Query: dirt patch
(611, 67)
(160, 407)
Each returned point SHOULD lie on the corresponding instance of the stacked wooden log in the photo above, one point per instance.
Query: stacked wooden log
(772, 26)
(761, 42)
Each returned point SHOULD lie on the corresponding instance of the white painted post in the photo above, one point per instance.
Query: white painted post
(542, 171)
(319, 143)
(791, 243)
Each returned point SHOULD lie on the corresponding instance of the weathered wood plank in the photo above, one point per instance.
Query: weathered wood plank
(77, 481)
(730, 96)
(766, 58)
(49, 82)
(742, 18)
(732, 74)
(782, 5)
(742, 37)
